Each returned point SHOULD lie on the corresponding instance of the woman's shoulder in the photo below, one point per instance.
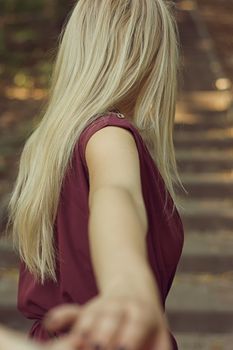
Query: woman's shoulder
(103, 120)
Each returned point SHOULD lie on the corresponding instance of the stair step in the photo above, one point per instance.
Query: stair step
(220, 244)
(205, 143)
(206, 206)
(205, 215)
(197, 154)
(208, 221)
(8, 287)
(212, 264)
(201, 303)
(204, 185)
(207, 253)
(8, 257)
(201, 322)
(206, 166)
(194, 341)
(209, 178)
(203, 292)
(212, 161)
(196, 123)
(206, 118)
(211, 104)
(213, 134)
(11, 317)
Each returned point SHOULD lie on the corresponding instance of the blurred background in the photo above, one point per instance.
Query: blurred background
(200, 303)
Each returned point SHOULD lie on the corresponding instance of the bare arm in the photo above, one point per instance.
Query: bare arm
(118, 220)
(127, 312)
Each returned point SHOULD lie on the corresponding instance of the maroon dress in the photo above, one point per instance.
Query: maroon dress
(76, 279)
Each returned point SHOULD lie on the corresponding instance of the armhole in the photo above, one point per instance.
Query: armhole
(106, 120)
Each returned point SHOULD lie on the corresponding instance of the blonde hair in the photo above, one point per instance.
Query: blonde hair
(106, 48)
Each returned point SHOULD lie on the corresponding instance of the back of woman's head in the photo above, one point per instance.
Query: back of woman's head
(109, 51)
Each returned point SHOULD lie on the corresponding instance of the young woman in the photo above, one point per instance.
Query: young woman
(94, 210)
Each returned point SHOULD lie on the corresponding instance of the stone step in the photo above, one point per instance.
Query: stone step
(220, 244)
(210, 135)
(189, 122)
(205, 142)
(207, 104)
(197, 341)
(203, 292)
(196, 125)
(206, 215)
(8, 286)
(205, 264)
(207, 253)
(208, 185)
(214, 155)
(8, 257)
(204, 117)
(201, 303)
(201, 322)
(208, 221)
(206, 166)
(204, 163)
(10, 317)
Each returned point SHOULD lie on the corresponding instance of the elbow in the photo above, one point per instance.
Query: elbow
(115, 195)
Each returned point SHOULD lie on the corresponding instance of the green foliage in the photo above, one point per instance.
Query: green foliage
(24, 35)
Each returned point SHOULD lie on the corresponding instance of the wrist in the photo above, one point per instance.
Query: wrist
(143, 289)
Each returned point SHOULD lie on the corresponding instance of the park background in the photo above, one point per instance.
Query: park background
(200, 303)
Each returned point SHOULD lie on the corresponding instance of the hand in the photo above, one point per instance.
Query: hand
(113, 321)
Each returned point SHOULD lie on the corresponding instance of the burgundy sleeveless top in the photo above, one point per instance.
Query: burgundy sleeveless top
(76, 279)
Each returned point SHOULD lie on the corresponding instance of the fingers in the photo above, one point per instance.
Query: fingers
(137, 329)
(114, 327)
(83, 328)
(61, 317)
(133, 336)
(108, 324)
(101, 329)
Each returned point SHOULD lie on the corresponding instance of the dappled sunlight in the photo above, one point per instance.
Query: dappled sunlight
(211, 134)
(206, 277)
(22, 93)
(186, 5)
(208, 178)
(223, 84)
(218, 101)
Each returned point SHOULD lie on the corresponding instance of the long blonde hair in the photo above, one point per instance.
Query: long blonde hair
(106, 48)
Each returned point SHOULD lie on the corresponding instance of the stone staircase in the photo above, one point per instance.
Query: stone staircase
(200, 303)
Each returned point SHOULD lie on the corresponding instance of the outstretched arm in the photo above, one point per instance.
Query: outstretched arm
(128, 308)
(118, 219)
